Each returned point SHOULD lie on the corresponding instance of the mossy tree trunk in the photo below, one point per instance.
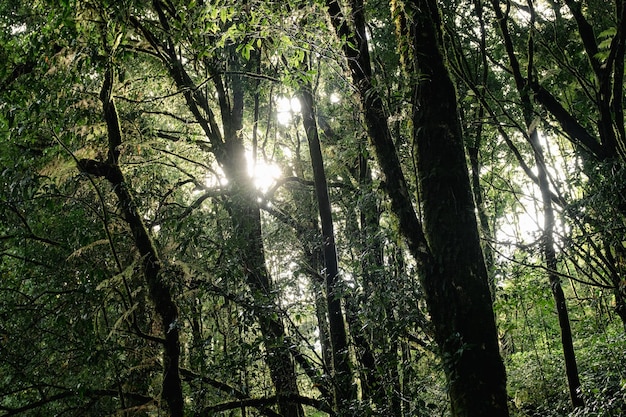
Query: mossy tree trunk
(447, 246)
(158, 289)
(228, 148)
(457, 283)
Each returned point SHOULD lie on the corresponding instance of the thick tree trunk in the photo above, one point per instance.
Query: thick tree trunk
(246, 220)
(452, 267)
(458, 290)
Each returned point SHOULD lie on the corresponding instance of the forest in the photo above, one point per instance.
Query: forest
(312, 208)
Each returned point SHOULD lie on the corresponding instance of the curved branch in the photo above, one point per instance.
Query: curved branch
(264, 402)
(68, 394)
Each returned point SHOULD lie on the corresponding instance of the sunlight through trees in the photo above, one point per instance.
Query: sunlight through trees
(312, 208)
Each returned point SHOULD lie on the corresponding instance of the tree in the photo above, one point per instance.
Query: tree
(344, 392)
(600, 57)
(159, 291)
(453, 274)
(546, 195)
(229, 153)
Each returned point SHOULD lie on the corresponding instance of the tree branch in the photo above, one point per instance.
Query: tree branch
(94, 393)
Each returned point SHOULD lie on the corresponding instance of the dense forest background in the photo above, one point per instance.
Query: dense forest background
(311, 208)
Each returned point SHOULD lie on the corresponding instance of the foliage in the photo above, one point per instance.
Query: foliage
(602, 376)
(80, 333)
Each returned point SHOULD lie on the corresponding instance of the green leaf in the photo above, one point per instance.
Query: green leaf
(223, 14)
(608, 33)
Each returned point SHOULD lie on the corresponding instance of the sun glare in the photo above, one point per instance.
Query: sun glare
(285, 109)
(524, 224)
(264, 174)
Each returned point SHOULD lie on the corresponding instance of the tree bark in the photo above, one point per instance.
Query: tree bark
(344, 389)
(159, 291)
(461, 308)
(451, 263)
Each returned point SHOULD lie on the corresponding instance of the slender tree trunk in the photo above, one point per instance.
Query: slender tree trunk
(344, 389)
(571, 368)
(371, 342)
(381, 353)
(321, 313)
(618, 277)
(315, 256)
(620, 301)
(473, 153)
(474, 157)
(306, 227)
(376, 353)
(160, 294)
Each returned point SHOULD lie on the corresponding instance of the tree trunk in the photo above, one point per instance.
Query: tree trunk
(246, 220)
(571, 368)
(228, 148)
(381, 353)
(473, 152)
(451, 263)
(457, 287)
(171, 388)
(344, 389)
